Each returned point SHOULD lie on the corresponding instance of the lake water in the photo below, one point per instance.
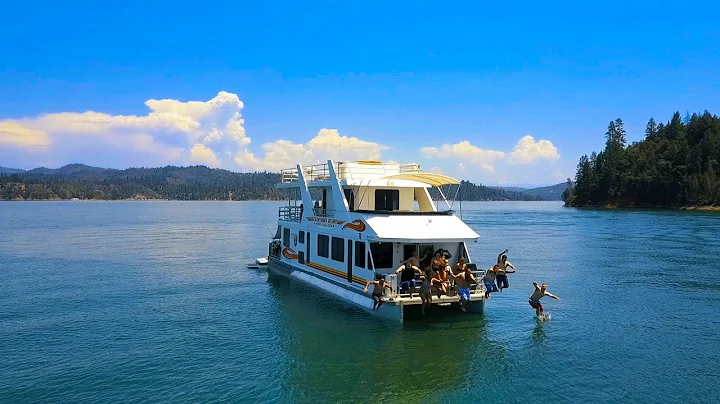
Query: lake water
(151, 301)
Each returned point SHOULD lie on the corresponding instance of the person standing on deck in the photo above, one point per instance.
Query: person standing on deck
(407, 277)
(539, 293)
(378, 292)
(464, 280)
(489, 281)
(459, 267)
(502, 264)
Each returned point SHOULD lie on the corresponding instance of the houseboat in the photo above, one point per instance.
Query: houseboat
(354, 222)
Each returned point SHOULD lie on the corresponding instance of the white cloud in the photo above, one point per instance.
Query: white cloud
(171, 131)
(202, 154)
(436, 170)
(328, 144)
(528, 150)
(14, 133)
(483, 159)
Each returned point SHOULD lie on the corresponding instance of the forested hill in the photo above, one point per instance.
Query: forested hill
(677, 165)
(175, 183)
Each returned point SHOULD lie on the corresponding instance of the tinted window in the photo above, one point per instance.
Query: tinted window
(350, 196)
(338, 249)
(387, 199)
(301, 237)
(322, 248)
(286, 237)
(382, 254)
(360, 254)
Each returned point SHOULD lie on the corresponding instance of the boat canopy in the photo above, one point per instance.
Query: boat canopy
(432, 179)
(407, 228)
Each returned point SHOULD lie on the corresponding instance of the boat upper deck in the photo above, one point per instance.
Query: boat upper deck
(364, 173)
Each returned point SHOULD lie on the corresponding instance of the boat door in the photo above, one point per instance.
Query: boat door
(350, 261)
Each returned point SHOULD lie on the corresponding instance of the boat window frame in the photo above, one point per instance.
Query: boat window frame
(286, 237)
(301, 237)
(360, 254)
(395, 200)
(380, 265)
(323, 246)
(337, 249)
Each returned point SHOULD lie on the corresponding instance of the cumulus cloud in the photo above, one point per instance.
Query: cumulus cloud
(172, 130)
(14, 133)
(203, 155)
(328, 144)
(528, 150)
(483, 159)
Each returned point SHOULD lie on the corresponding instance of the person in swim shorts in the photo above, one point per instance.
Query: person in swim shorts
(426, 289)
(539, 293)
(464, 280)
(502, 265)
(489, 281)
(407, 273)
(378, 291)
(441, 281)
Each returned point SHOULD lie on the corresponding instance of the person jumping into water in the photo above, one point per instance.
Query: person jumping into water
(378, 291)
(407, 277)
(539, 293)
(502, 265)
(489, 281)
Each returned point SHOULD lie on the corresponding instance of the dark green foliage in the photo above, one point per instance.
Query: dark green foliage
(473, 192)
(676, 165)
(176, 183)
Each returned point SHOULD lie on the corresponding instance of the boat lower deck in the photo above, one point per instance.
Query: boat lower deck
(406, 300)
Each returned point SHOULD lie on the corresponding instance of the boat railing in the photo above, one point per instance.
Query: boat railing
(394, 281)
(347, 170)
(322, 212)
(290, 213)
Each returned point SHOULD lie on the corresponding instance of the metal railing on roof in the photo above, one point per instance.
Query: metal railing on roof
(346, 170)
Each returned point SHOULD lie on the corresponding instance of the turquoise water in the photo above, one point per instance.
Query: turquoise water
(151, 301)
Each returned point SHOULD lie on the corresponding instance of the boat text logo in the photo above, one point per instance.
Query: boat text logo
(325, 221)
(357, 225)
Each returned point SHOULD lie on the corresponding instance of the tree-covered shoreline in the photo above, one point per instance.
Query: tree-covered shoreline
(77, 181)
(677, 165)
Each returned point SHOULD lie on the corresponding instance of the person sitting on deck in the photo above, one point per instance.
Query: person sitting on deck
(426, 288)
(501, 266)
(464, 280)
(378, 291)
(489, 281)
(539, 293)
(407, 277)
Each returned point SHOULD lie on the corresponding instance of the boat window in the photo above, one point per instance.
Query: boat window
(360, 254)
(301, 237)
(350, 196)
(277, 233)
(387, 199)
(382, 254)
(322, 248)
(286, 237)
(370, 262)
(338, 249)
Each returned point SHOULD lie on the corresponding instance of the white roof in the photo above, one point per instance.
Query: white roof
(399, 227)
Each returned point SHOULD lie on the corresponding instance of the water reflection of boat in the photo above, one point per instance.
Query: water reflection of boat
(370, 218)
(344, 355)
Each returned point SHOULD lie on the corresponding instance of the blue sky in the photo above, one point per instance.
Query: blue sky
(457, 87)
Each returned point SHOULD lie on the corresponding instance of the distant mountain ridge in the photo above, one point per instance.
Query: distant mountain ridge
(178, 183)
(549, 193)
